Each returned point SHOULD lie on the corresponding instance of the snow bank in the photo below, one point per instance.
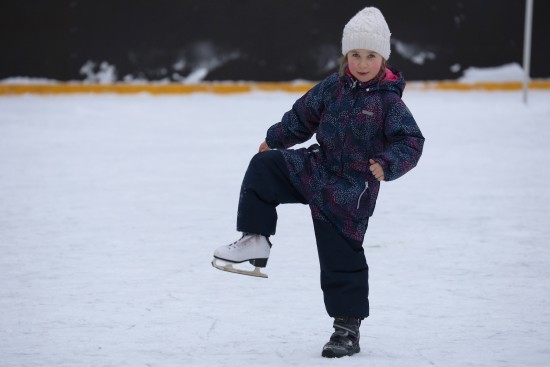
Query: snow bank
(104, 73)
(506, 73)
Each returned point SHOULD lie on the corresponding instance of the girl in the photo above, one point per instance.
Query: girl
(365, 135)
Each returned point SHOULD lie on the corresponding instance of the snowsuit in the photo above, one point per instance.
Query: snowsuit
(353, 122)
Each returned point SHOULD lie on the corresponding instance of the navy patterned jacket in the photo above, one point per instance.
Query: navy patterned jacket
(353, 122)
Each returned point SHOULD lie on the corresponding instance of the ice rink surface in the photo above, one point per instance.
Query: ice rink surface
(111, 207)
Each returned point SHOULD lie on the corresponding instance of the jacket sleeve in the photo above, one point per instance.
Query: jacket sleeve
(404, 142)
(301, 122)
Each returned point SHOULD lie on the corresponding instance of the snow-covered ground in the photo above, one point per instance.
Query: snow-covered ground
(111, 207)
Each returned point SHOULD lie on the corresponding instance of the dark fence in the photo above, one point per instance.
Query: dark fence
(256, 40)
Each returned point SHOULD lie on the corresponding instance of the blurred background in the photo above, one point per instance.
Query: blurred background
(256, 40)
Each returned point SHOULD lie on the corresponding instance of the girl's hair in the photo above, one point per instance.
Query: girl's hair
(344, 65)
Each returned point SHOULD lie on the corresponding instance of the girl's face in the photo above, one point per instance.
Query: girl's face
(364, 65)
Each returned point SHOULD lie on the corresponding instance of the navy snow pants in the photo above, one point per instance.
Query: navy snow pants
(344, 269)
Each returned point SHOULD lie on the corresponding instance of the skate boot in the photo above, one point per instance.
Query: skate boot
(253, 248)
(345, 339)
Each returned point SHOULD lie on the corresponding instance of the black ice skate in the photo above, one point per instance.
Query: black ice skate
(253, 248)
(345, 339)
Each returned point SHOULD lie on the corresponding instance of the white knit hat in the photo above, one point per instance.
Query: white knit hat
(367, 30)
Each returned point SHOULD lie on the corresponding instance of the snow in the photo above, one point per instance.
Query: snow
(111, 207)
(27, 81)
(415, 53)
(104, 73)
(512, 72)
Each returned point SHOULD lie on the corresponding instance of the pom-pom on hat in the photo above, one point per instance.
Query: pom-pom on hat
(367, 30)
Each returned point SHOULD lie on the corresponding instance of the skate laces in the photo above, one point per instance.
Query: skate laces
(240, 242)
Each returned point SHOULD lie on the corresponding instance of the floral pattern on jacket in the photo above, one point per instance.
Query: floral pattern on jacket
(353, 122)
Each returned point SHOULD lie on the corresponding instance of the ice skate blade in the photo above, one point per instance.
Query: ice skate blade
(229, 268)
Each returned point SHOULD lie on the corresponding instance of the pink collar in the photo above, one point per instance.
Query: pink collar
(390, 76)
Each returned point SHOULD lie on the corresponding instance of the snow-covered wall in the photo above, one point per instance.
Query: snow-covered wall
(276, 40)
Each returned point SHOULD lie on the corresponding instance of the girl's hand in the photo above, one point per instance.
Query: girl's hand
(376, 169)
(264, 147)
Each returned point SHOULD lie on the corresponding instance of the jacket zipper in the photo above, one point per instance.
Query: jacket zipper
(362, 193)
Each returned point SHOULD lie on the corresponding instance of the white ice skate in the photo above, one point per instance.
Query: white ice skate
(253, 248)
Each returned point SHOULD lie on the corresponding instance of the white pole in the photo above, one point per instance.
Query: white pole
(527, 47)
